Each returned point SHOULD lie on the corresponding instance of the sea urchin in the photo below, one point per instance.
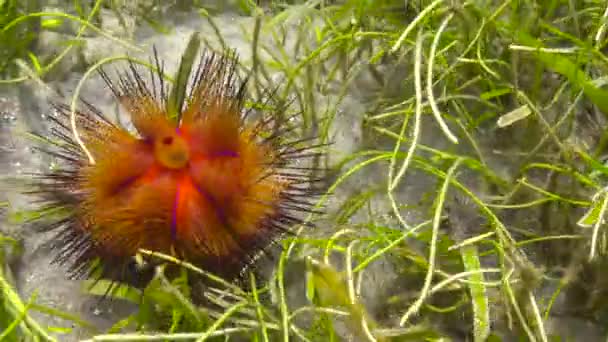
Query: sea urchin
(211, 185)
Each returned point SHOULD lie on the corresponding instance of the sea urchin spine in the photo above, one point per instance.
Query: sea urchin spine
(210, 186)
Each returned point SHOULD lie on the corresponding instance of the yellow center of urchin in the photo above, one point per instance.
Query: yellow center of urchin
(171, 151)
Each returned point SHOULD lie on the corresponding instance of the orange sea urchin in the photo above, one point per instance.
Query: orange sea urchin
(210, 186)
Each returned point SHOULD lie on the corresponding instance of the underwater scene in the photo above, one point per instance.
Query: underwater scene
(347, 170)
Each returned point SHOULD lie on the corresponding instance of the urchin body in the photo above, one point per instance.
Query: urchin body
(207, 186)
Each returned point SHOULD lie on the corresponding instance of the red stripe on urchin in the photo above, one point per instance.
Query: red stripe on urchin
(192, 205)
(176, 211)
